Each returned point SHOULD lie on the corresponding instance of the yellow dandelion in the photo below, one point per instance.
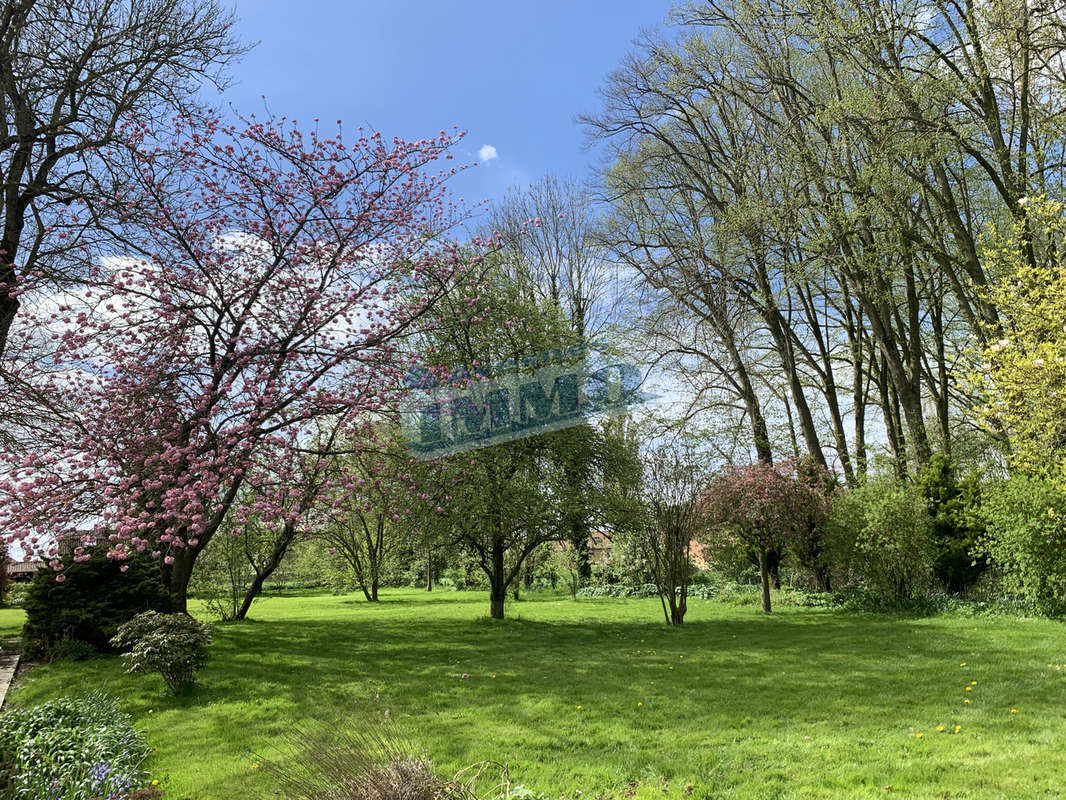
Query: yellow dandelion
(967, 700)
(579, 708)
(680, 656)
(1014, 711)
(940, 728)
(639, 704)
(963, 664)
(669, 667)
(958, 728)
(155, 783)
(917, 736)
(149, 711)
(973, 683)
(969, 688)
(255, 766)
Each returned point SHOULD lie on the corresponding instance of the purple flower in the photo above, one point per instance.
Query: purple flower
(99, 773)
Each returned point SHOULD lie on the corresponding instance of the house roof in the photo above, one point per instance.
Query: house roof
(23, 567)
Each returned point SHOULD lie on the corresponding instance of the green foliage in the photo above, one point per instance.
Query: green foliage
(223, 573)
(810, 541)
(174, 645)
(16, 594)
(1026, 538)
(94, 598)
(884, 531)
(618, 590)
(1023, 374)
(70, 749)
(955, 509)
(500, 502)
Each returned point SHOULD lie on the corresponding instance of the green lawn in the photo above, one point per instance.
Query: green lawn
(11, 620)
(599, 696)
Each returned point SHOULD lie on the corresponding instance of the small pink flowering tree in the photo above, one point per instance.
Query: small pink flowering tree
(762, 506)
(267, 281)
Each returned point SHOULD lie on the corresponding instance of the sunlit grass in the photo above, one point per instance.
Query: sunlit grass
(11, 620)
(599, 696)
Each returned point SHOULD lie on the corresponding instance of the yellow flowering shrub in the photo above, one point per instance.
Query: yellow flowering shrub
(1023, 366)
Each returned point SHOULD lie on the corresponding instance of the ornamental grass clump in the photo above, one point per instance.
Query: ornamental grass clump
(174, 645)
(370, 762)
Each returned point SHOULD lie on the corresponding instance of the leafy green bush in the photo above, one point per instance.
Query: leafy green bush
(883, 530)
(88, 605)
(16, 593)
(71, 749)
(1026, 539)
(175, 645)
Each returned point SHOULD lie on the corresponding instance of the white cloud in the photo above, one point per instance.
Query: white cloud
(486, 153)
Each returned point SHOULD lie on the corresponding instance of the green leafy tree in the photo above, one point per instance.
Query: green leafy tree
(501, 502)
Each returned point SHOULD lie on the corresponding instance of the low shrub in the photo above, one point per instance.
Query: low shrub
(1026, 539)
(883, 530)
(94, 598)
(174, 645)
(702, 591)
(72, 749)
(618, 590)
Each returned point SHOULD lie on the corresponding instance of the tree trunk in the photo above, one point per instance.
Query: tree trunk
(497, 584)
(176, 576)
(496, 598)
(773, 561)
(9, 307)
(764, 573)
(281, 547)
(678, 609)
(13, 211)
(429, 571)
(250, 595)
(374, 590)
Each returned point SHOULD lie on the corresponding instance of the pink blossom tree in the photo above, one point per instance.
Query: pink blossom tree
(268, 280)
(762, 506)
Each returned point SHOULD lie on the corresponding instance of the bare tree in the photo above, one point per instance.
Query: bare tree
(672, 483)
(547, 229)
(72, 74)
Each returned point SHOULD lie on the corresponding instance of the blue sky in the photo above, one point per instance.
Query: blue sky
(514, 75)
